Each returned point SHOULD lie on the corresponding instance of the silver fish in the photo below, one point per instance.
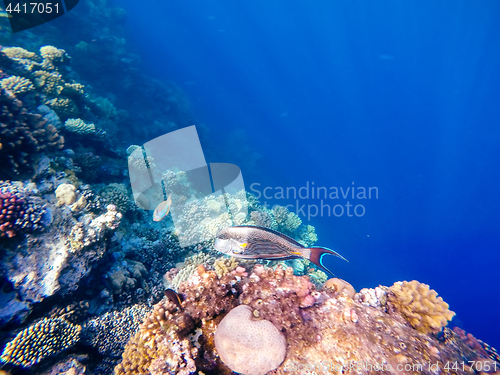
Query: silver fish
(251, 242)
(162, 209)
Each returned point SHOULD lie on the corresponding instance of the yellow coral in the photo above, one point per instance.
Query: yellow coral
(73, 89)
(52, 56)
(420, 306)
(50, 83)
(40, 340)
(224, 265)
(149, 345)
(20, 53)
(17, 85)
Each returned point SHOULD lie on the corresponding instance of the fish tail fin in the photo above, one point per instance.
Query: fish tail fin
(315, 255)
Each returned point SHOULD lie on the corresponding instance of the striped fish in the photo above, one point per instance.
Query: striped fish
(253, 242)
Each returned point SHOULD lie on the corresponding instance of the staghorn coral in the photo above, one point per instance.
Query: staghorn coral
(17, 85)
(40, 340)
(247, 345)
(287, 221)
(23, 136)
(420, 306)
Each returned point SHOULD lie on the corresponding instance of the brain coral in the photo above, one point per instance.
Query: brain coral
(420, 305)
(247, 345)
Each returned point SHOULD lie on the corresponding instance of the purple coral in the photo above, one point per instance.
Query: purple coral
(12, 211)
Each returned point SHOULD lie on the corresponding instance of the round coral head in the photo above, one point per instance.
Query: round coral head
(249, 346)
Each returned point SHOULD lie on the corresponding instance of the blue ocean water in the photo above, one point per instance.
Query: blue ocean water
(398, 96)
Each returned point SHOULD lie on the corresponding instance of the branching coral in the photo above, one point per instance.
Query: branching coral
(20, 53)
(17, 85)
(64, 107)
(23, 136)
(53, 57)
(50, 83)
(424, 310)
(79, 127)
(40, 340)
(224, 265)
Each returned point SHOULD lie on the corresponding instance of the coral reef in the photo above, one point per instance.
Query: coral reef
(247, 345)
(321, 327)
(420, 305)
(23, 136)
(40, 340)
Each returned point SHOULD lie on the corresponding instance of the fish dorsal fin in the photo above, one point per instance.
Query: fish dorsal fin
(279, 234)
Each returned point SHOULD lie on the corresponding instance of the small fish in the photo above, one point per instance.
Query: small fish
(173, 296)
(162, 209)
(251, 242)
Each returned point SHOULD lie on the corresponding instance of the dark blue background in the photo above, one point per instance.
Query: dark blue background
(401, 95)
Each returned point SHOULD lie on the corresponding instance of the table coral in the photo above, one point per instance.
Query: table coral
(40, 340)
(420, 305)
